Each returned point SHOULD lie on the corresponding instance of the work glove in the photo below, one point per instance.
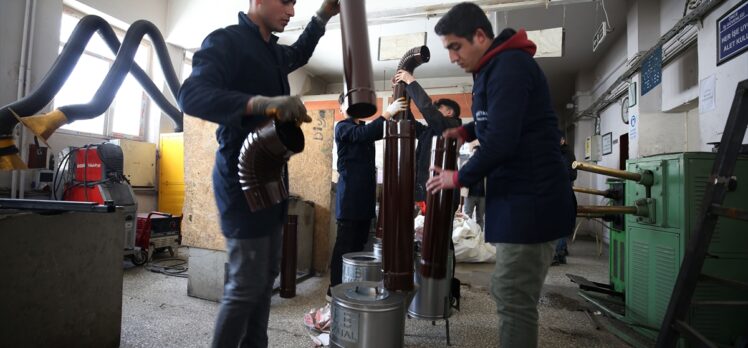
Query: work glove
(283, 108)
(328, 9)
(396, 106)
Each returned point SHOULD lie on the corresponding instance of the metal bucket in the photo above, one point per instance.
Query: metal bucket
(361, 267)
(432, 298)
(366, 315)
(378, 250)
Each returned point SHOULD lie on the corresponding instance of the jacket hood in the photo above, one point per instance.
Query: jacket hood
(517, 41)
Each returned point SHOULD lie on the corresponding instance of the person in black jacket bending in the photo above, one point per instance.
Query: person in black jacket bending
(562, 250)
(476, 199)
(240, 81)
(440, 116)
(355, 197)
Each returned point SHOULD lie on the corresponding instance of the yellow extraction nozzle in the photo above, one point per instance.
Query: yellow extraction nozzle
(43, 126)
(9, 160)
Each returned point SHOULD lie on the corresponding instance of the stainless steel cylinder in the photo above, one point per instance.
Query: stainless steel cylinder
(366, 315)
(378, 250)
(432, 298)
(361, 266)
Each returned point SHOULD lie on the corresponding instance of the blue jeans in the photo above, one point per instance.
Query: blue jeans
(253, 266)
(477, 203)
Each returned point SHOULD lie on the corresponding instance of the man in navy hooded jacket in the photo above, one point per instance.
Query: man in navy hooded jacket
(240, 81)
(528, 196)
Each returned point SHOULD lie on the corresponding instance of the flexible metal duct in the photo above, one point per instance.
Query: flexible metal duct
(399, 182)
(262, 161)
(360, 99)
(437, 228)
(412, 59)
(68, 58)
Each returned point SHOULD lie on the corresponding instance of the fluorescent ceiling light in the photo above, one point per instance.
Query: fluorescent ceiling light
(393, 47)
(550, 42)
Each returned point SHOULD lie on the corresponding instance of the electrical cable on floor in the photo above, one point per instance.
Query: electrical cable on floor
(606, 225)
(174, 267)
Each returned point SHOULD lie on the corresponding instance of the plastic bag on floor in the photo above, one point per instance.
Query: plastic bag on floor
(318, 322)
(469, 241)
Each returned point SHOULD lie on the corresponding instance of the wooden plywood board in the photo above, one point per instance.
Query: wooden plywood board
(310, 176)
(200, 224)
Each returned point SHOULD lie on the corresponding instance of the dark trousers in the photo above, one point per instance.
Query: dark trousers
(253, 266)
(352, 236)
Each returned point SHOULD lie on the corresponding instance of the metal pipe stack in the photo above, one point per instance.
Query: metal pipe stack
(399, 182)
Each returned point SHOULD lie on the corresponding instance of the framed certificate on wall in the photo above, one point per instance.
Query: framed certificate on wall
(607, 143)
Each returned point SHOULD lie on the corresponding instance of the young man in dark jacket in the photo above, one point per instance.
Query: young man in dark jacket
(528, 199)
(440, 116)
(355, 196)
(239, 80)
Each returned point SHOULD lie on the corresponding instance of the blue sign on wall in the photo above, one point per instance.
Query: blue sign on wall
(652, 71)
(732, 33)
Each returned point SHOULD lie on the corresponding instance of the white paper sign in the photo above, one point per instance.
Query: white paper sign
(633, 127)
(707, 94)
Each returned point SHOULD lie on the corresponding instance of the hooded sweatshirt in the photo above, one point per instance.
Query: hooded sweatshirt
(528, 195)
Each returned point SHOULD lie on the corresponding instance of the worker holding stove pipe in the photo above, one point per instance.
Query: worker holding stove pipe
(528, 196)
(239, 80)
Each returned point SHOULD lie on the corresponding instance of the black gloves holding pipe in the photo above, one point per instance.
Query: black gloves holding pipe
(283, 108)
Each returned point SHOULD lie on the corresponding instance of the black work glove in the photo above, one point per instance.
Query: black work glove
(328, 9)
(283, 108)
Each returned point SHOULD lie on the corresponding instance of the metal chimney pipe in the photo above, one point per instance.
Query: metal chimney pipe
(437, 226)
(399, 182)
(359, 97)
(288, 259)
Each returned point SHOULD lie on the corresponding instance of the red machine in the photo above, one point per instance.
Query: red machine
(158, 231)
(94, 173)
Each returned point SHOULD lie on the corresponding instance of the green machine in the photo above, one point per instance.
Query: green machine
(655, 245)
(617, 239)
(662, 199)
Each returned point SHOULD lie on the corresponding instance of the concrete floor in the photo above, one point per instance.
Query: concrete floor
(156, 311)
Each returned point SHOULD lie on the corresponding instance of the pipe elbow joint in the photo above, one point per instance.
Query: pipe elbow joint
(262, 160)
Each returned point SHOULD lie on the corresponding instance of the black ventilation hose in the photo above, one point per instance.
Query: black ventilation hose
(68, 58)
(116, 75)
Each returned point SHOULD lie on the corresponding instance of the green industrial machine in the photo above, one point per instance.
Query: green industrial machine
(617, 239)
(662, 201)
(655, 245)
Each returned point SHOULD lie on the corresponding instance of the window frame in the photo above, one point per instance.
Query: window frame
(108, 132)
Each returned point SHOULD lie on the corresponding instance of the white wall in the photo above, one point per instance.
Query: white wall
(711, 124)
(669, 114)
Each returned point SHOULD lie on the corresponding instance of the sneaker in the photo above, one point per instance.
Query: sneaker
(556, 260)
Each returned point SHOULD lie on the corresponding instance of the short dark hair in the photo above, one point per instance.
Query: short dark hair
(450, 104)
(463, 20)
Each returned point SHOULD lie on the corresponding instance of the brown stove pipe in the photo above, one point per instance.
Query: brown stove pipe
(437, 226)
(262, 161)
(288, 259)
(360, 99)
(399, 182)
